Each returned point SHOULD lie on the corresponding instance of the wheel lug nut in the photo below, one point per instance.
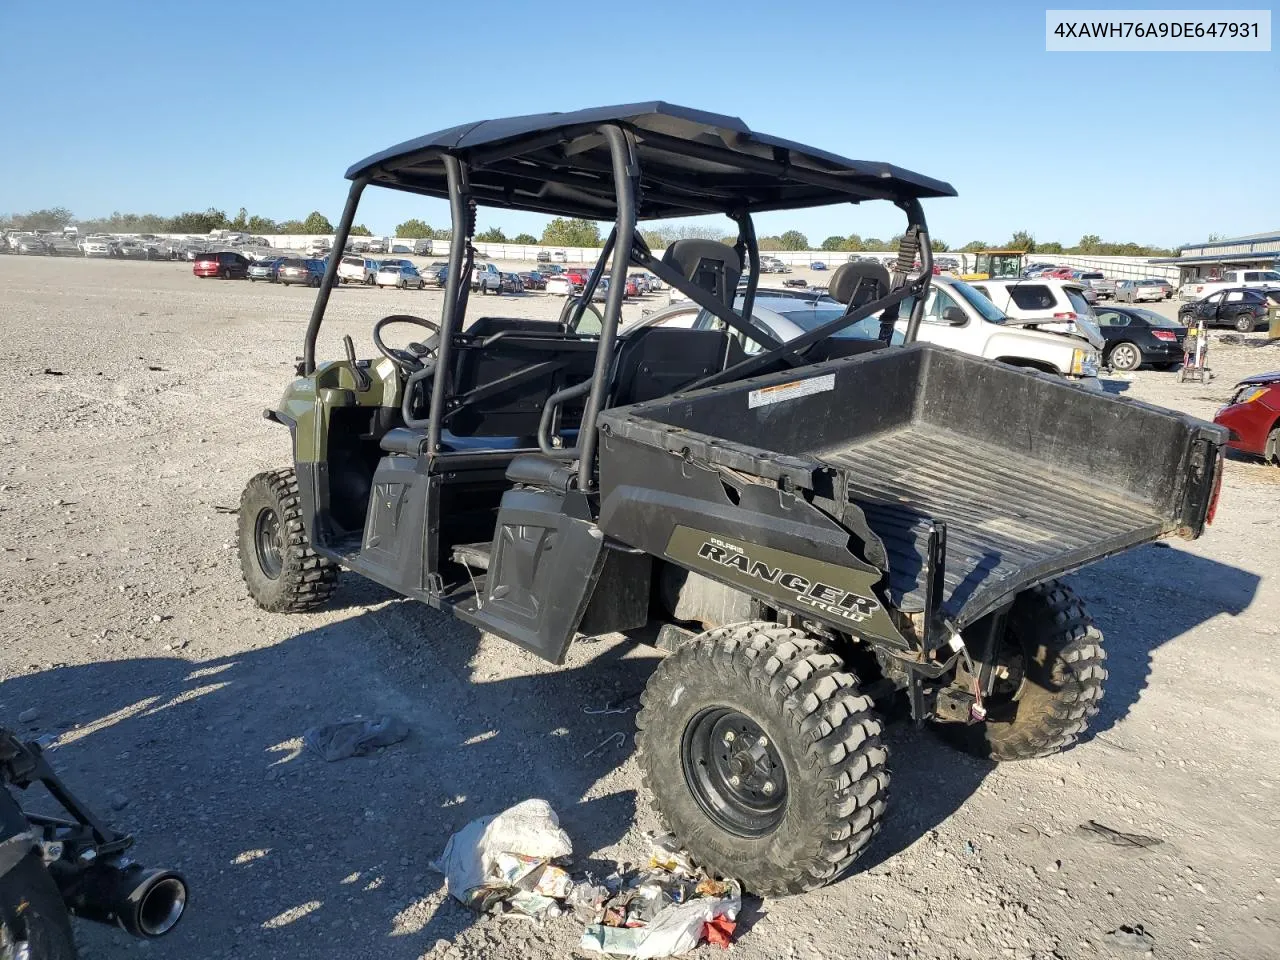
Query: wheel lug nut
(735, 780)
(729, 736)
(763, 741)
(768, 786)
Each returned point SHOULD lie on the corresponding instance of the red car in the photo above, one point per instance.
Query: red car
(224, 264)
(1253, 416)
(1061, 273)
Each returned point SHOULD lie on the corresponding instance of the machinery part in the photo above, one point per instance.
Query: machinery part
(143, 901)
(282, 572)
(1048, 676)
(33, 920)
(763, 757)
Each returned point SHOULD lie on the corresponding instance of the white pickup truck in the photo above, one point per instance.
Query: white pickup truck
(958, 316)
(1231, 279)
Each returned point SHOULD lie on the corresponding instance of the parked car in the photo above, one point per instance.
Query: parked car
(1059, 306)
(559, 256)
(817, 265)
(376, 245)
(560, 286)
(1243, 308)
(267, 270)
(308, 272)
(632, 288)
(94, 247)
(423, 248)
(1253, 417)
(439, 275)
(401, 274)
(1136, 337)
(511, 283)
(1138, 291)
(1104, 288)
(533, 280)
(1259, 279)
(543, 257)
(29, 245)
(795, 282)
(356, 269)
(226, 264)
(59, 246)
(486, 278)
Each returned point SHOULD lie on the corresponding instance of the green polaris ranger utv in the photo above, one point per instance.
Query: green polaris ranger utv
(803, 526)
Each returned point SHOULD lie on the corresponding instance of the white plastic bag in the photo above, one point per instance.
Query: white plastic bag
(470, 861)
(675, 929)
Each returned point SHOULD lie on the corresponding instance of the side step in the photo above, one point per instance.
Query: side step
(474, 556)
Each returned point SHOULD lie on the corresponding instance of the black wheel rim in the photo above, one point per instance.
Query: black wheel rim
(734, 772)
(268, 539)
(1009, 681)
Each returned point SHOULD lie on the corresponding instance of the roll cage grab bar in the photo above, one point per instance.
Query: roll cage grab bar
(627, 247)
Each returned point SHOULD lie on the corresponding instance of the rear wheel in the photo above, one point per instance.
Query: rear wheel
(1245, 323)
(33, 920)
(282, 572)
(763, 757)
(1049, 678)
(1125, 356)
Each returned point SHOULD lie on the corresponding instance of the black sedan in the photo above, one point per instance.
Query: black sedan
(1244, 308)
(1136, 336)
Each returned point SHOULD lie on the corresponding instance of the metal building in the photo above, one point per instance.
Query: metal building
(1208, 260)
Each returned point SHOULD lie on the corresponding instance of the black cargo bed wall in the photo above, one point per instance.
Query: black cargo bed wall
(1128, 448)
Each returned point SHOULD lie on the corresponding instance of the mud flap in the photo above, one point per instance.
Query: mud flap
(544, 568)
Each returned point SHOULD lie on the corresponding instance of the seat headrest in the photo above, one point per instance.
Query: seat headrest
(711, 265)
(845, 280)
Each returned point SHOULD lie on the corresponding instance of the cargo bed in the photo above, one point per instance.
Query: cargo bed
(1030, 475)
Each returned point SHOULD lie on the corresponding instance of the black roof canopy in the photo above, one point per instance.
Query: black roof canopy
(692, 162)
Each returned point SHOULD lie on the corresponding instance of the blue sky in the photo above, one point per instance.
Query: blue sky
(166, 107)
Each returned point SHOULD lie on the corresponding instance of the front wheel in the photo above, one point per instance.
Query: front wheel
(33, 920)
(1125, 356)
(282, 572)
(1049, 678)
(763, 757)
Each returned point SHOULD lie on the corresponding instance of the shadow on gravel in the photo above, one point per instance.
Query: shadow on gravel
(290, 856)
(1147, 598)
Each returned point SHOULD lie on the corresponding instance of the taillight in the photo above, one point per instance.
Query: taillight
(1217, 490)
(1166, 335)
(1070, 315)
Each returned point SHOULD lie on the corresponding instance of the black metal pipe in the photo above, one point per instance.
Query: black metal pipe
(460, 214)
(330, 275)
(625, 173)
(747, 237)
(593, 281)
(144, 901)
(915, 220)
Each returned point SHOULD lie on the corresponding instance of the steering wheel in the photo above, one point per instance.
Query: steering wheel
(408, 360)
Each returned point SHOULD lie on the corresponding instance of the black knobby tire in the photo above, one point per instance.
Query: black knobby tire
(282, 572)
(32, 912)
(826, 765)
(1055, 658)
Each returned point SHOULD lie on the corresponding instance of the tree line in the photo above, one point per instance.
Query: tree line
(192, 222)
(560, 232)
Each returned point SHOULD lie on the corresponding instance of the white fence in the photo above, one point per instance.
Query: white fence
(1119, 268)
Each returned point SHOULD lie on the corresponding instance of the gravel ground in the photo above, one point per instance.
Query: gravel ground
(131, 418)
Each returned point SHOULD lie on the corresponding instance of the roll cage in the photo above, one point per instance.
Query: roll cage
(626, 164)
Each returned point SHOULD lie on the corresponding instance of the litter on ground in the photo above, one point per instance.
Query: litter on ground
(503, 865)
(355, 738)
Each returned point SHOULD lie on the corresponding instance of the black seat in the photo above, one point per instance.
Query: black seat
(653, 362)
(536, 470)
(711, 265)
(858, 283)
